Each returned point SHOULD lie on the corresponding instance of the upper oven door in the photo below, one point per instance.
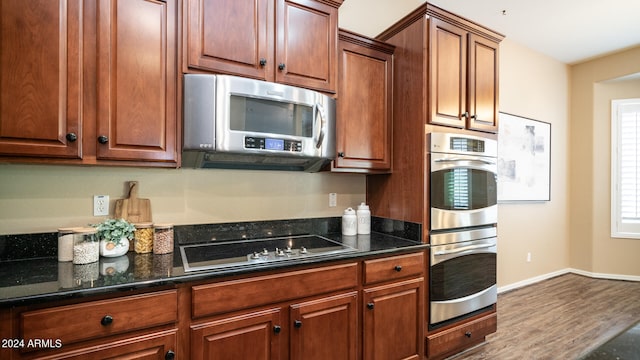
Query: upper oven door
(463, 191)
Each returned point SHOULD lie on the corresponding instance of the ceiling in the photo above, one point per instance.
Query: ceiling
(570, 31)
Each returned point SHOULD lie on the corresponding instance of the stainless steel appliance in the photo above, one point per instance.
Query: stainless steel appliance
(235, 122)
(463, 187)
(463, 232)
(215, 255)
(462, 273)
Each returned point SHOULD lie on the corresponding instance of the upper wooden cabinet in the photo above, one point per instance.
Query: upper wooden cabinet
(90, 82)
(137, 80)
(287, 41)
(364, 105)
(463, 73)
(41, 78)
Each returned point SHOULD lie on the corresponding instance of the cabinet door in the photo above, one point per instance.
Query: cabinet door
(249, 336)
(41, 78)
(231, 36)
(136, 117)
(325, 328)
(364, 108)
(447, 74)
(155, 346)
(306, 44)
(393, 321)
(483, 84)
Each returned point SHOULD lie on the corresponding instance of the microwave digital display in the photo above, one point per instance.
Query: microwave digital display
(269, 116)
(274, 144)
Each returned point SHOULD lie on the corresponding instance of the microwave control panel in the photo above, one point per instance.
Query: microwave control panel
(252, 142)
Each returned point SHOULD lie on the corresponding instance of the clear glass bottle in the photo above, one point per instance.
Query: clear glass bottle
(163, 239)
(86, 248)
(65, 244)
(143, 236)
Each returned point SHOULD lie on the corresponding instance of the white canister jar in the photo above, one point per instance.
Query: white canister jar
(349, 222)
(364, 219)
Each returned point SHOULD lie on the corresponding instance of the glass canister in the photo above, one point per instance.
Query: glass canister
(143, 238)
(163, 239)
(65, 244)
(86, 248)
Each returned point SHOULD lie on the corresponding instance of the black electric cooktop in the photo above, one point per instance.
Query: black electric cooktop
(214, 255)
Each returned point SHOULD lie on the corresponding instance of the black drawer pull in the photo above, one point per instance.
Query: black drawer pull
(398, 268)
(106, 320)
(468, 334)
(297, 323)
(370, 306)
(170, 355)
(277, 329)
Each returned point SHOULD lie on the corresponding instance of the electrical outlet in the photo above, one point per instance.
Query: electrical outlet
(333, 199)
(100, 205)
(528, 257)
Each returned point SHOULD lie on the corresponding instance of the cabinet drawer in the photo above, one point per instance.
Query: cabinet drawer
(95, 319)
(234, 295)
(460, 337)
(394, 267)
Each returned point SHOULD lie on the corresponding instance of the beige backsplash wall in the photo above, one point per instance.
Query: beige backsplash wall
(41, 198)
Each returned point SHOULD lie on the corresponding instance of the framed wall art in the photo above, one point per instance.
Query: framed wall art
(524, 159)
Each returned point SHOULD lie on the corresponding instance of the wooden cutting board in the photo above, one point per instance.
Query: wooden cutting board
(132, 208)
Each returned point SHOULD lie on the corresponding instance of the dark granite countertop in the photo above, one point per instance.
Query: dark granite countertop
(39, 279)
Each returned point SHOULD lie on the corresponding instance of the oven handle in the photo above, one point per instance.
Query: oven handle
(462, 249)
(465, 159)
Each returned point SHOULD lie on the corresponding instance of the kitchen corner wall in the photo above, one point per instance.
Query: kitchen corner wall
(41, 198)
(593, 85)
(535, 86)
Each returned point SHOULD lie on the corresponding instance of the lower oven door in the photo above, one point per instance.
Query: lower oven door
(462, 278)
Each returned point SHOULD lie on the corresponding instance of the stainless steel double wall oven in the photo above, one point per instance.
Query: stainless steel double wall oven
(463, 226)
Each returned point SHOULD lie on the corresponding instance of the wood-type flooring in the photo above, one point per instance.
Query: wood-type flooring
(561, 318)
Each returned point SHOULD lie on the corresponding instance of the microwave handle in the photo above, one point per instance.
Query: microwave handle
(320, 113)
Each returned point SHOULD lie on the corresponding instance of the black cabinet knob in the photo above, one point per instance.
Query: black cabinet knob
(103, 139)
(263, 62)
(466, 114)
(398, 268)
(297, 323)
(277, 329)
(170, 355)
(468, 334)
(370, 306)
(72, 137)
(106, 320)
(474, 117)
(341, 154)
(281, 66)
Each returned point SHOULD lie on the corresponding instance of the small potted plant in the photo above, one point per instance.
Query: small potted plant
(114, 235)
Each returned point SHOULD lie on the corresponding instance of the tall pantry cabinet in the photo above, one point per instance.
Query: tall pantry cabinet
(445, 80)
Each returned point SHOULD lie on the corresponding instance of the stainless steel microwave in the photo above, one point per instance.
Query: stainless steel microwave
(235, 122)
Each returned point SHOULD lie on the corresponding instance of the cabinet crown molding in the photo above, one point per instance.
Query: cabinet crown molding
(429, 10)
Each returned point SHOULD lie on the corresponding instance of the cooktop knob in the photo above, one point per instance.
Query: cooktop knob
(280, 252)
(303, 250)
(265, 252)
(255, 255)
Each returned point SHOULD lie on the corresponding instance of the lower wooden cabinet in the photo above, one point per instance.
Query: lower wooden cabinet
(372, 309)
(393, 321)
(254, 335)
(325, 328)
(158, 345)
(459, 337)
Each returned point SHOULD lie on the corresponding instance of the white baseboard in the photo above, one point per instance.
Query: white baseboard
(550, 275)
